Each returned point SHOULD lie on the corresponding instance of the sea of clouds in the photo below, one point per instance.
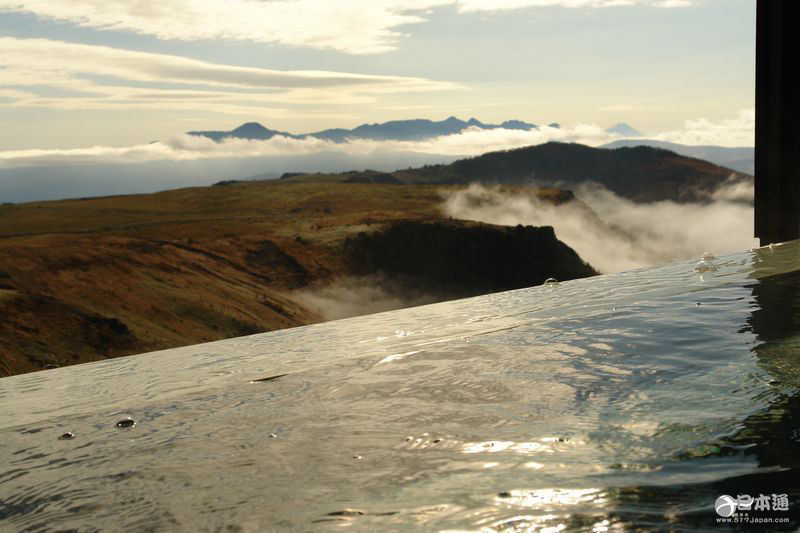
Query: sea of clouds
(185, 160)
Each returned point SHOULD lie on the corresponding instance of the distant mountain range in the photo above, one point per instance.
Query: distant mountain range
(395, 130)
(641, 173)
(740, 158)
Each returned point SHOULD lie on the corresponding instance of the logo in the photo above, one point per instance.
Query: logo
(728, 505)
(725, 505)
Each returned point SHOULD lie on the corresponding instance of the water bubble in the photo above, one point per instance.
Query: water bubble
(347, 512)
(550, 281)
(704, 265)
(126, 422)
(67, 436)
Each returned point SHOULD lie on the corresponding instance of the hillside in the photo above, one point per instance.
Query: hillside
(740, 159)
(642, 173)
(83, 280)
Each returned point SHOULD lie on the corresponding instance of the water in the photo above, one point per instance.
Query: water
(629, 401)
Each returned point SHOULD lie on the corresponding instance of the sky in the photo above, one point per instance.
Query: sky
(103, 78)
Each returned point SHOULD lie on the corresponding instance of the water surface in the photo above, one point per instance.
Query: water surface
(627, 401)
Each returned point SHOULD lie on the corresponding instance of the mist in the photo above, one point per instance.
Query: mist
(615, 234)
(355, 296)
(55, 181)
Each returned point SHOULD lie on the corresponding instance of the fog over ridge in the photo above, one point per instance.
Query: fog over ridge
(615, 234)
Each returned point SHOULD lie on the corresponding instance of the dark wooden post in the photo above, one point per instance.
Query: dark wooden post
(777, 185)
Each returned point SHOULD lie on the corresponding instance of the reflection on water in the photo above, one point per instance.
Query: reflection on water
(633, 400)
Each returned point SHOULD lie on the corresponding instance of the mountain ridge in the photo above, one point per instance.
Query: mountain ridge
(399, 130)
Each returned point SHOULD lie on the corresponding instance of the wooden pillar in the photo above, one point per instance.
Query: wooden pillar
(777, 173)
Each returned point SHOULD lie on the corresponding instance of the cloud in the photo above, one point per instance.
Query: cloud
(350, 26)
(101, 77)
(614, 234)
(469, 142)
(737, 131)
(498, 5)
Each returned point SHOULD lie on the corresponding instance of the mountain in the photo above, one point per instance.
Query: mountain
(394, 130)
(641, 173)
(624, 129)
(741, 158)
(248, 130)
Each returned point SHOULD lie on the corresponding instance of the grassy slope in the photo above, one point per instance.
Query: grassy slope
(82, 280)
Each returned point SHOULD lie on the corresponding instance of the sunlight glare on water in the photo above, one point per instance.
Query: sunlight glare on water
(628, 400)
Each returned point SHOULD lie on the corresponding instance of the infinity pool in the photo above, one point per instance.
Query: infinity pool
(632, 400)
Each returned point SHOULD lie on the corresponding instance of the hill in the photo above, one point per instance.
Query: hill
(83, 280)
(641, 173)
(741, 159)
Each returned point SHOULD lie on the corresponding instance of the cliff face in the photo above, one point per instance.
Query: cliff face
(462, 259)
(149, 272)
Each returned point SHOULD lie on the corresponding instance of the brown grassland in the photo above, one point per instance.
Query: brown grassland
(88, 279)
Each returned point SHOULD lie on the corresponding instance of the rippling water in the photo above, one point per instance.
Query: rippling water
(627, 401)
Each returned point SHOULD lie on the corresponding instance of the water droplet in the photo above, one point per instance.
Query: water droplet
(67, 436)
(550, 281)
(127, 422)
(704, 266)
